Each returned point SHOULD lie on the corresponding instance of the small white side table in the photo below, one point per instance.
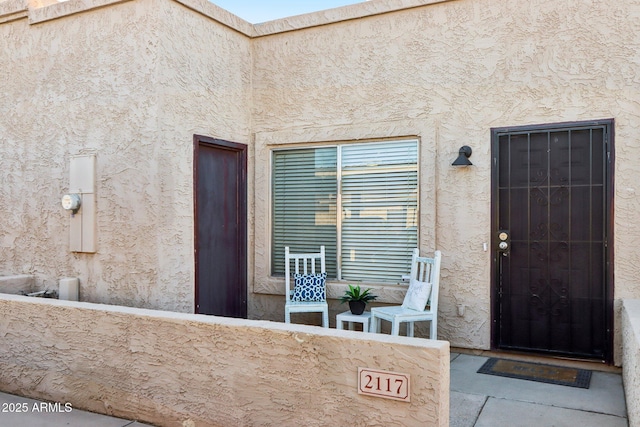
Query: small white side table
(353, 318)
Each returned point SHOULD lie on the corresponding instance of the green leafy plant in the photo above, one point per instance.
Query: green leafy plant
(354, 293)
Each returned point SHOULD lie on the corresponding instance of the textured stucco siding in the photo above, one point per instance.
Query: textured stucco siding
(175, 369)
(448, 73)
(131, 83)
(631, 358)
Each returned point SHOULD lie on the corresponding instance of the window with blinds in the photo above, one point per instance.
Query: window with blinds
(304, 205)
(374, 187)
(379, 210)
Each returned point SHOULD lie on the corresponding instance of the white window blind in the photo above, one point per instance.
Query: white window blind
(304, 205)
(379, 210)
(374, 236)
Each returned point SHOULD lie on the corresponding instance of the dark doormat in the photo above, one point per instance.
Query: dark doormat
(550, 374)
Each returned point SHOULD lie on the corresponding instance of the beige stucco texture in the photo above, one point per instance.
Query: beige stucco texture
(631, 358)
(18, 284)
(174, 369)
(133, 81)
(130, 83)
(448, 73)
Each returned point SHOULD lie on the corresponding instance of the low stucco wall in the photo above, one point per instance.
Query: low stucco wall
(15, 284)
(631, 358)
(175, 369)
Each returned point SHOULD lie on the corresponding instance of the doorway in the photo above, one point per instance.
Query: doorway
(220, 171)
(551, 220)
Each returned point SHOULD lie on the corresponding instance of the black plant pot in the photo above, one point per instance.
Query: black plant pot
(357, 307)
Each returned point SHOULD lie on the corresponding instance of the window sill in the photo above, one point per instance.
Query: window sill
(387, 293)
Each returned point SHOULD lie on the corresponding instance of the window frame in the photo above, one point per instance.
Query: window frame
(339, 206)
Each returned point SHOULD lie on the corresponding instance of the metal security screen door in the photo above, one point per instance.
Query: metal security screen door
(551, 224)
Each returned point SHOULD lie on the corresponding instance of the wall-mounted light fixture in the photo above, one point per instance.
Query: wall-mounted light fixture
(463, 157)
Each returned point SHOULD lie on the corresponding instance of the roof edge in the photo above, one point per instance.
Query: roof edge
(45, 10)
(338, 14)
(38, 11)
(10, 10)
(41, 11)
(218, 14)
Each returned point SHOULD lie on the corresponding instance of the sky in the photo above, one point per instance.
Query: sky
(256, 11)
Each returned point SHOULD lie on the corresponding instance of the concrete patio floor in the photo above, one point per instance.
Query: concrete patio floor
(481, 400)
(477, 400)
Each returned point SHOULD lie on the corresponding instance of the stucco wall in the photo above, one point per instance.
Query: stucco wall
(16, 284)
(448, 72)
(631, 358)
(168, 368)
(132, 83)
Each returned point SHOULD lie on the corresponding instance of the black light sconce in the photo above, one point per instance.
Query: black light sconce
(463, 157)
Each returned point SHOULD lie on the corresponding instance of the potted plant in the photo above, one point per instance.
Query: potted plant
(357, 298)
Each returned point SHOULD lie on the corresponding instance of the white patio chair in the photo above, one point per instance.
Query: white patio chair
(309, 294)
(420, 303)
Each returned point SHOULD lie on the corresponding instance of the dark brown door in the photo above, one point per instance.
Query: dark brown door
(221, 227)
(551, 223)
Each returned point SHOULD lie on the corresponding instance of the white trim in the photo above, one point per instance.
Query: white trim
(339, 213)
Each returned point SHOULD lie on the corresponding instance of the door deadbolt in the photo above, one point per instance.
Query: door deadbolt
(504, 241)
